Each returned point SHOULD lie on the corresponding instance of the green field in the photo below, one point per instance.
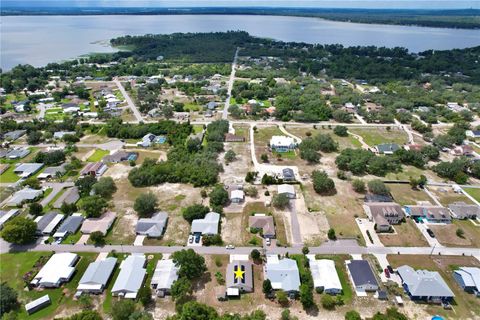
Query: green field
(98, 155)
(474, 192)
(376, 136)
(9, 176)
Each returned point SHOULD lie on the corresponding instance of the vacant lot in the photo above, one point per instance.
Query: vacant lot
(98, 155)
(8, 176)
(403, 194)
(447, 196)
(377, 136)
(466, 306)
(343, 142)
(447, 234)
(474, 192)
(411, 171)
(406, 235)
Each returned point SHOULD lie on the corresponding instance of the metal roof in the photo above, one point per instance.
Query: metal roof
(283, 274)
(470, 276)
(207, 225)
(132, 273)
(246, 281)
(165, 274)
(98, 272)
(324, 274)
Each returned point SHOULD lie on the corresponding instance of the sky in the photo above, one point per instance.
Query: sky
(372, 4)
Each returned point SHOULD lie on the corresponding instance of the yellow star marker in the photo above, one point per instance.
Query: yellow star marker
(239, 274)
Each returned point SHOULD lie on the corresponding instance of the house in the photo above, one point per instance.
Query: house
(283, 274)
(461, 210)
(429, 213)
(60, 134)
(211, 105)
(424, 285)
(25, 170)
(165, 274)
(263, 222)
(350, 107)
(386, 148)
(47, 223)
(94, 169)
(69, 226)
(152, 227)
(230, 137)
(58, 269)
(71, 195)
(96, 277)
(239, 277)
(17, 153)
(455, 107)
(282, 143)
(101, 224)
(384, 214)
(288, 190)
(207, 225)
(52, 172)
(473, 133)
(469, 279)
(70, 105)
(325, 276)
(237, 196)
(373, 107)
(7, 215)
(131, 276)
(14, 135)
(362, 275)
(150, 139)
(463, 150)
(288, 175)
(37, 304)
(119, 156)
(24, 195)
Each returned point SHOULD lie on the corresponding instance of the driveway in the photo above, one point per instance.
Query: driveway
(56, 188)
(382, 260)
(364, 225)
(294, 225)
(423, 229)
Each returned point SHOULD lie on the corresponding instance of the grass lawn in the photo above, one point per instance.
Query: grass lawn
(447, 196)
(407, 235)
(191, 107)
(447, 234)
(403, 194)
(343, 142)
(98, 155)
(242, 131)
(9, 176)
(72, 238)
(377, 136)
(15, 265)
(474, 192)
(197, 128)
(465, 305)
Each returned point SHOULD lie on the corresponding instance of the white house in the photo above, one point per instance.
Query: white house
(207, 225)
(325, 276)
(57, 270)
(165, 274)
(288, 190)
(131, 276)
(237, 196)
(282, 143)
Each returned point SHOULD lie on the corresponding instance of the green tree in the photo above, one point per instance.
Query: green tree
(145, 295)
(68, 209)
(98, 238)
(192, 265)
(264, 157)
(331, 234)
(305, 250)
(19, 230)
(85, 185)
(181, 289)
(93, 206)
(340, 131)
(328, 302)
(145, 204)
(255, 254)
(280, 200)
(105, 187)
(140, 315)
(358, 185)
(306, 296)
(282, 298)
(218, 196)
(8, 299)
(35, 209)
(86, 315)
(352, 315)
(34, 137)
(193, 310)
(230, 156)
(322, 183)
(377, 186)
(32, 182)
(196, 211)
(122, 309)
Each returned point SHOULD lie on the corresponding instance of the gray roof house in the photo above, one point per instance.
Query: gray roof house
(17, 153)
(96, 277)
(362, 275)
(47, 223)
(207, 225)
(71, 195)
(152, 227)
(24, 195)
(384, 214)
(263, 222)
(432, 214)
(25, 170)
(469, 279)
(60, 134)
(69, 226)
(387, 148)
(14, 135)
(461, 210)
(424, 285)
(239, 277)
(288, 174)
(52, 172)
(131, 276)
(282, 273)
(165, 274)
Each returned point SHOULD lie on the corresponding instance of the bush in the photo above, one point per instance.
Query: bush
(328, 302)
(358, 185)
(280, 201)
(196, 211)
(218, 196)
(145, 204)
(282, 298)
(352, 315)
(460, 233)
(331, 234)
(35, 209)
(97, 238)
(251, 191)
(145, 295)
(255, 254)
(219, 277)
(340, 131)
(212, 240)
(322, 183)
(377, 186)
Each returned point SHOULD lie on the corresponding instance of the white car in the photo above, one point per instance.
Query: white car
(230, 246)
(268, 241)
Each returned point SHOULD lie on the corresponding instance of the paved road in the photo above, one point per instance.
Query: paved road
(56, 188)
(109, 145)
(230, 85)
(131, 105)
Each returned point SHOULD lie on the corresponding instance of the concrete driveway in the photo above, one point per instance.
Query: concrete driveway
(423, 229)
(294, 225)
(364, 225)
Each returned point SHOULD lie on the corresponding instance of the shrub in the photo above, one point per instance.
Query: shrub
(358, 185)
(331, 234)
(328, 302)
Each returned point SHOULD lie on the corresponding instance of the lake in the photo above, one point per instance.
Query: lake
(38, 40)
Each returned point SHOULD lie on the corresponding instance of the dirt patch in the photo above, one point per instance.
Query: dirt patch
(118, 171)
(447, 235)
(235, 172)
(446, 195)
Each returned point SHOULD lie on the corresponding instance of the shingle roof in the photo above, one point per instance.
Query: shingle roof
(154, 226)
(70, 225)
(461, 209)
(361, 273)
(470, 276)
(262, 222)
(424, 283)
(387, 147)
(70, 196)
(48, 222)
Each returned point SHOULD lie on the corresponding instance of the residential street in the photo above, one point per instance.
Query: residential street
(131, 105)
(230, 85)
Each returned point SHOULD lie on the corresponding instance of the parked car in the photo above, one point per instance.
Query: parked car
(197, 238)
(390, 269)
(430, 233)
(230, 246)
(387, 273)
(268, 242)
(190, 239)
